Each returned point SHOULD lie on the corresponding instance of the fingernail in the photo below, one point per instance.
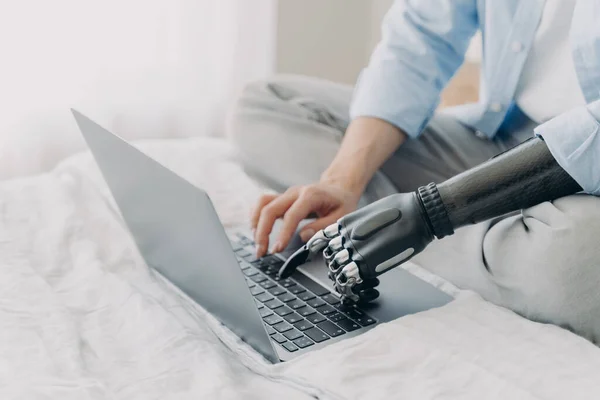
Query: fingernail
(260, 250)
(276, 248)
(307, 234)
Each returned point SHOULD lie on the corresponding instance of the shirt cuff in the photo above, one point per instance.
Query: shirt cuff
(385, 94)
(574, 140)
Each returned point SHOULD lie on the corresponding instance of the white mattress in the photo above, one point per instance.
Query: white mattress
(82, 317)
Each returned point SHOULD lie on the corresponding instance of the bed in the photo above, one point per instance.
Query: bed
(82, 316)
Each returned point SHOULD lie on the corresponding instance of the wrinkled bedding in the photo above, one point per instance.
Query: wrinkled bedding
(82, 317)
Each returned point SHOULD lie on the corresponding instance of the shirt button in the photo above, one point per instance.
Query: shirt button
(516, 47)
(496, 107)
(480, 135)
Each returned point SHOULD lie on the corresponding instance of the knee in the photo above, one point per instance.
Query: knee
(567, 239)
(553, 274)
(571, 252)
(259, 98)
(258, 113)
(243, 110)
(263, 126)
(247, 122)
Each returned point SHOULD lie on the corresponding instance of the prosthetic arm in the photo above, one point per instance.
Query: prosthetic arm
(370, 241)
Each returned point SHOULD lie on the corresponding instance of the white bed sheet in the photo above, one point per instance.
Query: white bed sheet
(82, 317)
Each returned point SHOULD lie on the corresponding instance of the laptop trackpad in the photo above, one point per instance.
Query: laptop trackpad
(401, 292)
(316, 268)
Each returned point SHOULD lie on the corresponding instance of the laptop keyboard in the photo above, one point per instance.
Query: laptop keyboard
(297, 312)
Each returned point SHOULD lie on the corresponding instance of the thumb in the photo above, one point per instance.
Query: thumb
(309, 230)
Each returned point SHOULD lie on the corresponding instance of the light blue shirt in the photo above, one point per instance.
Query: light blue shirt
(423, 44)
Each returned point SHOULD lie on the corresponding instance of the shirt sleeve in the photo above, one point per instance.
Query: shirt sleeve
(423, 44)
(574, 140)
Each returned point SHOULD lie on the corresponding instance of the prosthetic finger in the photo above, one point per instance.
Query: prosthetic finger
(303, 254)
(362, 293)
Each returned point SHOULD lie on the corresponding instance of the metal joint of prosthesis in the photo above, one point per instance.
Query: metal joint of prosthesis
(343, 271)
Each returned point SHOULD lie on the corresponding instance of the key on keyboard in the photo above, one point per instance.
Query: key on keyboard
(288, 283)
(297, 289)
(306, 296)
(303, 325)
(315, 303)
(326, 310)
(250, 257)
(310, 284)
(365, 321)
(258, 278)
(271, 260)
(348, 325)
(316, 334)
(303, 342)
(282, 327)
(331, 299)
(236, 247)
(330, 328)
(243, 253)
(335, 317)
(295, 304)
(272, 319)
(293, 318)
(289, 347)
(258, 264)
(264, 297)
(278, 338)
(305, 311)
(283, 311)
(286, 297)
(273, 304)
(277, 290)
(292, 334)
(357, 315)
(267, 284)
(243, 240)
(352, 312)
(250, 272)
(316, 318)
(256, 290)
(265, 312)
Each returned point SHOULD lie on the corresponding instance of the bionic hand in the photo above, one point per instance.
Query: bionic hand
(370, 241)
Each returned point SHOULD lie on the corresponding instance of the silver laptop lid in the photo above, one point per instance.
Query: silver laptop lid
(178, 233)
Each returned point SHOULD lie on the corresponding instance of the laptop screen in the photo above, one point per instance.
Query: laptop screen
(178, 233)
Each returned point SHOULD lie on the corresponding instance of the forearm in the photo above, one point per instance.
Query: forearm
(519, 178)
(367, 144)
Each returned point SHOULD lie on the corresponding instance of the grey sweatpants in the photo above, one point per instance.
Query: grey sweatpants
(543, 263)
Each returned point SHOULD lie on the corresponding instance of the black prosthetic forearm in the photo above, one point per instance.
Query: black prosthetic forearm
(519, 178)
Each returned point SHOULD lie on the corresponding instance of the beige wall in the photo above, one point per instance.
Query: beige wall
(378, 10)
(324, 38)
(332, 39)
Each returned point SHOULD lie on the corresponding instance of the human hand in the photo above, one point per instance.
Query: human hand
(329, 200)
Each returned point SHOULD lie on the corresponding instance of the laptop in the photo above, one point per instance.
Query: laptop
(179, 234)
